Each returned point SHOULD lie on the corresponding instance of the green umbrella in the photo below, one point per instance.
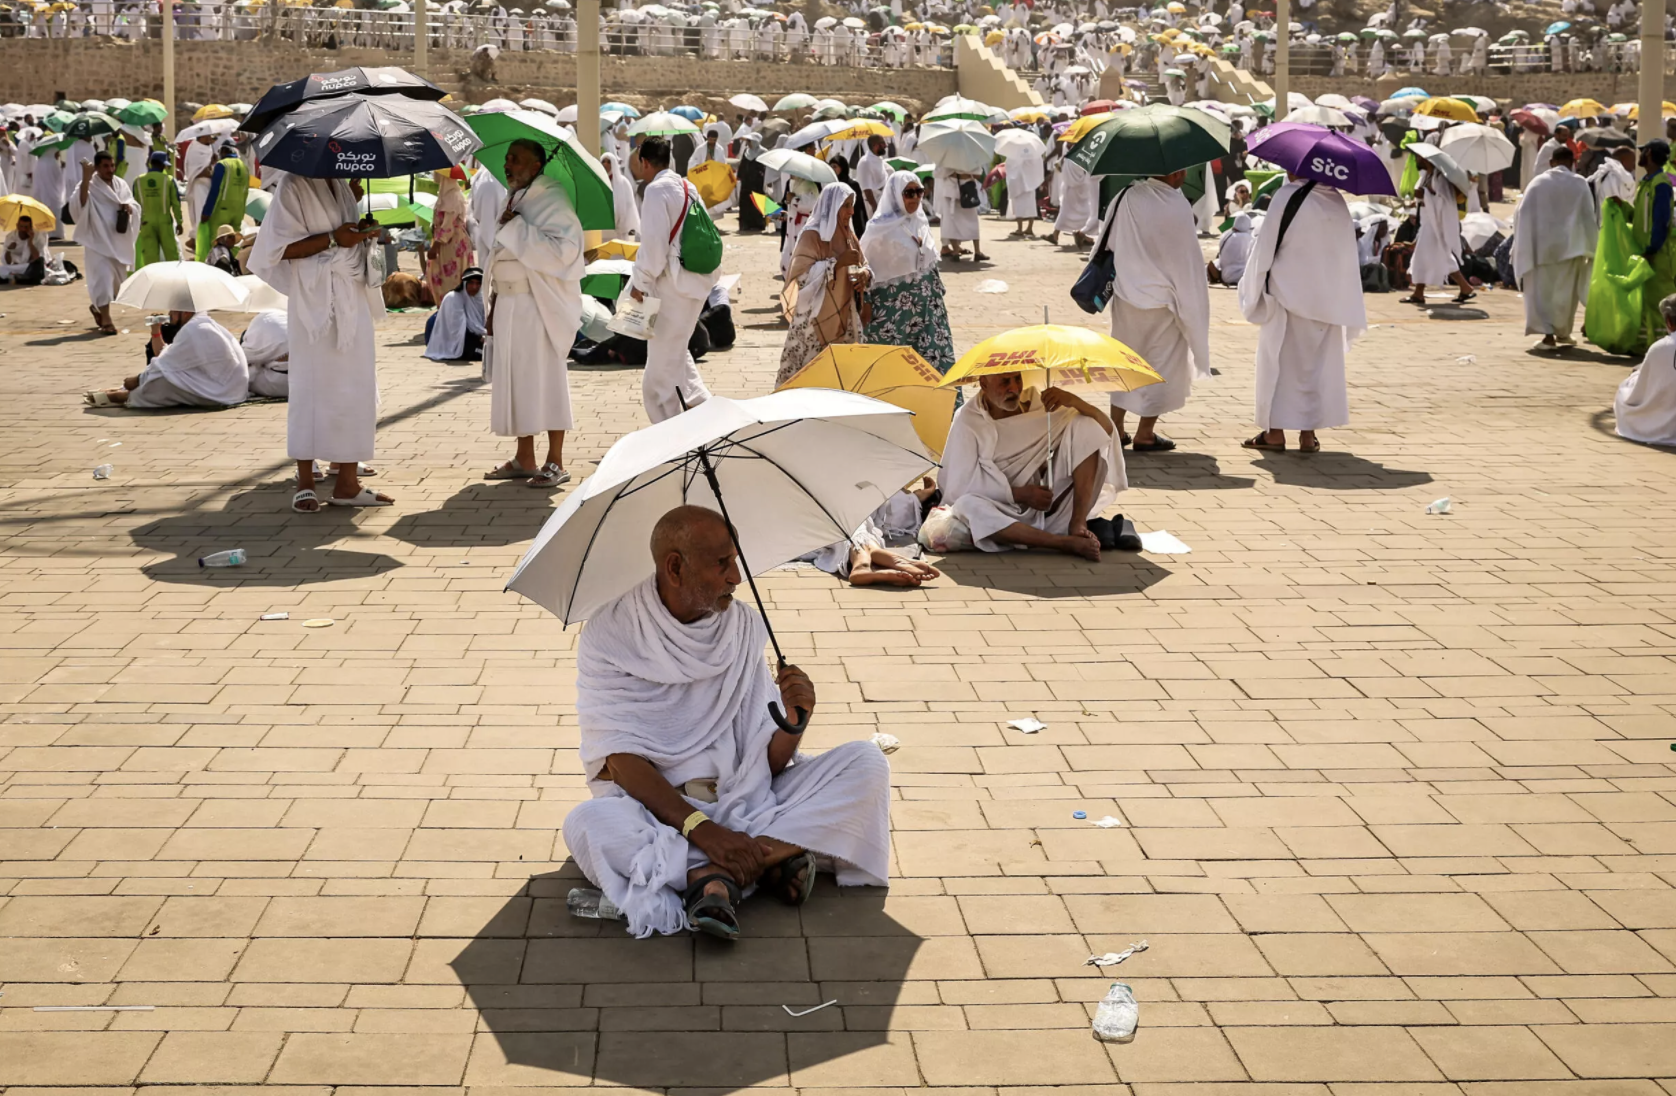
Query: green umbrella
(892, 109)
(91, 124)
(41, 148)
(582, 176)
(57, 120)
(1192, 188)
(661, 124)
(69, 106)
(1152, 140)
(960, 108)
(902, 163)
(796, 101)
(146, 112)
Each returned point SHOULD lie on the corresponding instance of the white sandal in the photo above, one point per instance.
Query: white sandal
(367, 497)
(305, 495)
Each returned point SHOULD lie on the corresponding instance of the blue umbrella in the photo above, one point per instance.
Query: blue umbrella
(1410, 93)
(691, 114)
(623, 108)
(1558, 28)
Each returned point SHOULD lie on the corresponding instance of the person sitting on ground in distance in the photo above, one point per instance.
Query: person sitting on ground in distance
(1645, 405)
(863, 558)
(455, 331)
(203, 366)
(697, 794)
(996, 461)
(267, 349)
(23, 249)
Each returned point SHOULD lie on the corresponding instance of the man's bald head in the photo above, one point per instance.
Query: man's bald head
(697, 563)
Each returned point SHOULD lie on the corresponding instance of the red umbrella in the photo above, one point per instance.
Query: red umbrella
(1099, 106)
(1532, 121)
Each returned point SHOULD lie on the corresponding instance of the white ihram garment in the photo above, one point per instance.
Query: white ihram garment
(1646, 402)
(329, 313)
(1160, 298)
(459, 314)
(692, 699)
(1437, 250)
(107, 253)
(671, 375)
(1079, 199)
(956, 225)
(267, 350)
(203, 367)
(488, 199)
(538, 307)
(1308, 300)
(1024, 176)
(986, 457)
(1554, 232)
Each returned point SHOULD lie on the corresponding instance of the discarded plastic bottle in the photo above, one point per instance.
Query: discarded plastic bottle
(1115, 1019)
(232, 558)
(103, 471)
(589, 903)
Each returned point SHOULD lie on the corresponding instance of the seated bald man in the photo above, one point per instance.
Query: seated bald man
(999, 480)
(698, 795)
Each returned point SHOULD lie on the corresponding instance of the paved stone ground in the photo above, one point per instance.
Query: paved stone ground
(1401, 817)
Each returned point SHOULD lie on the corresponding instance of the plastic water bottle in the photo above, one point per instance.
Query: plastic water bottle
(1115, 1019)
(103, 471)
(590, 903)
(231, 558)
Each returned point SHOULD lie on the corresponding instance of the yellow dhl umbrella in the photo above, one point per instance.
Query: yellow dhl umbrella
(994, 38)
(1031, 116)
(1079, 128)
(862, 129)
(895, 374)
(13, 206)
(1669, 111)
(211, 111)
(1066, 357)
(1455, 110)
(613, 249)
(1583, 108)
(714, 180)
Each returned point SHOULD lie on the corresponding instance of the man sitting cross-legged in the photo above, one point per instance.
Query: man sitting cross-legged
(697, 794)
(999, 480)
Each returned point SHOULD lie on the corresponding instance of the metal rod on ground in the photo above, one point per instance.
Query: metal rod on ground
(1282, 58)
(421, 39)
(169, 71)
(1650, 98)
(587, 75)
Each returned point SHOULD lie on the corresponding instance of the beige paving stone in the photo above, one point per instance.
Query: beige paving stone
(338, 1059)
(74, 1058)
(196, 1057)
(1012, 1058)
(1613, 1050)
(1489, 1053)
(1176, 1054)
(1331, 1054)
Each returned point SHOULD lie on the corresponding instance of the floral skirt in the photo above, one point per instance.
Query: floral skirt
(804, 342)
(911, 313)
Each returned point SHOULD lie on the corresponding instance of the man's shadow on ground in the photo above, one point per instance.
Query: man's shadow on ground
(1041, 573)
(1332, 471)
(284, 548)
(564, 995)
(491, 514)
(1179, 471)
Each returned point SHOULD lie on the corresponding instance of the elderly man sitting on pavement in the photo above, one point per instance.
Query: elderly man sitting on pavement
(202, 366)
(999, 480)
(697, 794)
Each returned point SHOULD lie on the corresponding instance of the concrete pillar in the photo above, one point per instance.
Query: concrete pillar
(421, 39)
(1651, 93)
(587, 75)
(169, 69)
(1282, 58)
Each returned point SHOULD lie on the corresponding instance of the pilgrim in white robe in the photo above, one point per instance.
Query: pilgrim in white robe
(623, 202)
(1079, 201)
(203, 367)
(267, 350)
(47, 186)
(1308, 301)
(1529, 143)
(1611, 180)
(670, 382)
(198, 159)
(1024, 178)
(459, 314)
(692, 700)
(1554, 230)
(16, 252)
(106, 253)
(1234, 251)
(1645, 405)
(1437, 249)
(330, 312)
(488, 199)
(1160, 298)
(986, 457)
(956, 225)
(537, 308)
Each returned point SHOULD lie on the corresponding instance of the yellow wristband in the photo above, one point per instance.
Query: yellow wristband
(692, 822)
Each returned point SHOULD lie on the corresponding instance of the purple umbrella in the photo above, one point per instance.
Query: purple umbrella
(1365, 103)
(1315, 152)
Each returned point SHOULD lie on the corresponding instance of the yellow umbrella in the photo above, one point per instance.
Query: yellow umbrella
(1031, 116)
(714, 180)
(894, 374)
(212, 110)
(994, 38)
(613, 249)
(1455, 110)
(1079, 128)
(863, 128)
(1175, 7)
(1071, 357)
(1669, 111)
(1583, 108)
(13, 206)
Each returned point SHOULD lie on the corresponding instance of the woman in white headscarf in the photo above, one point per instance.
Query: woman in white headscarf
(906, 297)
(828, 271)
(1233, 252)
(623, 204)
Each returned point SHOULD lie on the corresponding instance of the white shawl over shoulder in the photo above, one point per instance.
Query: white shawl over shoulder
(1316, 274)
(1155, 241)
(323, 288)
(1555, 221)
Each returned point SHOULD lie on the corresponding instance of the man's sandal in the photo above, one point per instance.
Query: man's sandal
(781, 880)
(712, 914)
(305, 495)
(1261, 441)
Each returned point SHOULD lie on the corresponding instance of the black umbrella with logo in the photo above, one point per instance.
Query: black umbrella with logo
(362, 136)
(391, 80)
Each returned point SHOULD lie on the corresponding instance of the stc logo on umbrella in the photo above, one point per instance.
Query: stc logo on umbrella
(1331, 169)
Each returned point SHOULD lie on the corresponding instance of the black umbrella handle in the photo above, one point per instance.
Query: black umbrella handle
(785, 725)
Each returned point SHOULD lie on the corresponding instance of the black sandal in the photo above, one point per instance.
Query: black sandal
(1464, 298)
(712, 914)
(780, 880)
(1158, 444)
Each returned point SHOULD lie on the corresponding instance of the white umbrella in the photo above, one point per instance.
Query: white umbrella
(215, 127)
(499, 104)
(1332, 99)
(855, 24)
(804, 166)
(259, 295)
(543, 106)
(956, 107)
(793, 472)
(1477, 148)
(1319, 115)
(567, 114)
(746, 101)
(825, 23)
(625, 267)
(817, 131)
(181, 287)
(964, 147)
(661, 122)
(1013, 142)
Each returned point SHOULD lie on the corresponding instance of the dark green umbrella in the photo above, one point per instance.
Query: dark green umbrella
(1152, 140)
(145, 112)
(91, 124)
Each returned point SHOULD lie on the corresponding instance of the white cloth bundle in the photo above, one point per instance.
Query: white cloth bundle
(203, 367)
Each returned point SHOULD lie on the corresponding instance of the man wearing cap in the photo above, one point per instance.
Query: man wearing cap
(1650, 218)
(229, 188)
(159, 198)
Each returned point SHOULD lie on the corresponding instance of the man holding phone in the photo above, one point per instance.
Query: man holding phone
(107, 223)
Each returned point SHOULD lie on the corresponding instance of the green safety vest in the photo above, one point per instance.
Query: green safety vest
(159, 198)
(235, 191)
(1665, 261)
